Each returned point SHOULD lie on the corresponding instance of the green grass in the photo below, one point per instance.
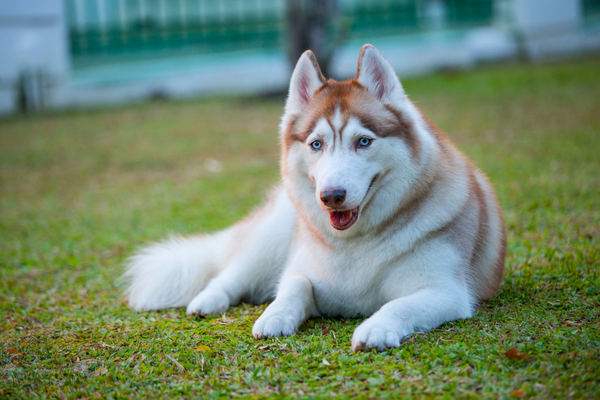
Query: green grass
(79, 191)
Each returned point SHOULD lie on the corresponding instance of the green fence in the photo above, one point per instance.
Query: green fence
(591, 11)
(118, 30)
(385, 18)
(121, 29)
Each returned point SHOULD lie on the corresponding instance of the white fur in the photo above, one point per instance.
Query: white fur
(406, 276)
(171, 273)
(257, 258)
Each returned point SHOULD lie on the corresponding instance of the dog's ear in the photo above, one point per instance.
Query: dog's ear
(377, 75)
(306, 79)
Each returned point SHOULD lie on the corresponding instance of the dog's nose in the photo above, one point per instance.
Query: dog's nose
(334, 197)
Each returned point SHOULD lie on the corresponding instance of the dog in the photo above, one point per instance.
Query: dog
(378, 215)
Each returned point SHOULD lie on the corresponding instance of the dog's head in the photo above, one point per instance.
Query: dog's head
(343, 140)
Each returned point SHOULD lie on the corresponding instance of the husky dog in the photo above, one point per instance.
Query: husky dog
(378, 215)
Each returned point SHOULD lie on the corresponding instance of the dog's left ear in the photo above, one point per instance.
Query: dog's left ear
(306, 79)
(377, 75)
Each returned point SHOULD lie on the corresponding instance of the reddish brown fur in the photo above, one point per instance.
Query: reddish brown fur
(501, 258)
(482, 238)
(492, 283)
(409, 209)
(315, 64)
(353, 100)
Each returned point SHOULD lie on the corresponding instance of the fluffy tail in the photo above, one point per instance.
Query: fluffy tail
(171, 273)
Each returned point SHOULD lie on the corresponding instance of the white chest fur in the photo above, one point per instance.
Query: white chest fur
(357, 277)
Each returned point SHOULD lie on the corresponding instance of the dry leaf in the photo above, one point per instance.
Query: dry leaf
(13, 351)
(515, 354)
(326, 362)
(518, 393)
(224, 320)
(99, 371)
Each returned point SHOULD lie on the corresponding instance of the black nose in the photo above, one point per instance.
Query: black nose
(333, 198)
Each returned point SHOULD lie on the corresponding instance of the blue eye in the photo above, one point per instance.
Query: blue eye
(316, 145)
(364, 142)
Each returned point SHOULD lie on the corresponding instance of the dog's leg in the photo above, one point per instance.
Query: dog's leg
(419, 312)
(256, 256)
(293, 304)
(213, 300)
(249, 277)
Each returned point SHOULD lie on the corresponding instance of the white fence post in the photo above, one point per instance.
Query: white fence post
(549, 27)
(34, 52)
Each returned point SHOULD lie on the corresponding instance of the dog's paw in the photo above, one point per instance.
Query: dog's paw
(376, 335)
(209, 302)
(276, 323)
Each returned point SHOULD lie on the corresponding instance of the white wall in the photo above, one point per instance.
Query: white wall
(549, 27)
(32, 36)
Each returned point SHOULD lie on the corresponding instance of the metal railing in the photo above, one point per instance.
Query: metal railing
(116, 30)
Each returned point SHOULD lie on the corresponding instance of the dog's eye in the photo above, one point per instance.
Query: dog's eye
(316, 145)
(364, 142)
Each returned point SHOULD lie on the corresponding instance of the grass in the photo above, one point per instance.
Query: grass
(79, 191)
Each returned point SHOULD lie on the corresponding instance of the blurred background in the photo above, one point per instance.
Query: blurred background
(80, 190)
(65, 53)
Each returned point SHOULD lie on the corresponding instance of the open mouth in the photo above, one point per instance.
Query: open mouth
(342, 220)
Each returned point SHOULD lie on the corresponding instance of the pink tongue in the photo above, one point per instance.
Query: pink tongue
(340, 218)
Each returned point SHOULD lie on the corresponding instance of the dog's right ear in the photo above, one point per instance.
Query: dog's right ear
(306, 79)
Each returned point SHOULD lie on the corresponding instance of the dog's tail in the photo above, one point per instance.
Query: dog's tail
(170, 273)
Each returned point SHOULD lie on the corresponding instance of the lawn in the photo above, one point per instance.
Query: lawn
(81, 190)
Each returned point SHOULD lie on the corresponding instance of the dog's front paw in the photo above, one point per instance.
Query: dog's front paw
(209, 302)
(276, 323)
(373, 334)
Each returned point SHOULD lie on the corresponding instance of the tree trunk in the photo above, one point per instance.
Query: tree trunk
(312, 25)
